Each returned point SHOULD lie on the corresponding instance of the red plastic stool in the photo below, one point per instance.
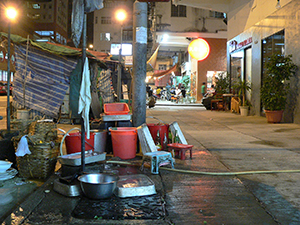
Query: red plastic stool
(180, 149)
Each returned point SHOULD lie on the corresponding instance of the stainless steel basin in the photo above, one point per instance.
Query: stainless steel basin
(98, 185)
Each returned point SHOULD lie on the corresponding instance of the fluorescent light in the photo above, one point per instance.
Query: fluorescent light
(165, 38)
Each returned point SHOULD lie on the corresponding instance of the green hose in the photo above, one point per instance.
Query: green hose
(211, 173)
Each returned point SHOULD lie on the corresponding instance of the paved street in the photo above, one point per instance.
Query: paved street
(247, 144)
(223, 142)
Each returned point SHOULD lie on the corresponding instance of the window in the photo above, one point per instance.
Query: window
(105, 20)
(104, 36)
(162, 67)
(178, 11)
(108, 4)
(96, 20)
(45, 33)
(107, 36)
(127, 35)
(36, 6)
(215, 14)
(271, 45)
(58, 37)
(34, 16)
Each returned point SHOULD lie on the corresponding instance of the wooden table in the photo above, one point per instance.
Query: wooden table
(227, 103)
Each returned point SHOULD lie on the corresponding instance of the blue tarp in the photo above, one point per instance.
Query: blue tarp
(47, 79)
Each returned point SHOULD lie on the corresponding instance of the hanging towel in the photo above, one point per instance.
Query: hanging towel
(85, 97)
(23, 147)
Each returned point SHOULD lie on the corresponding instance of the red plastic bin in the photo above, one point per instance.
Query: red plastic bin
(116, 109)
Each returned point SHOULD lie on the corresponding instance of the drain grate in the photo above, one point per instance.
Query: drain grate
(115, 208)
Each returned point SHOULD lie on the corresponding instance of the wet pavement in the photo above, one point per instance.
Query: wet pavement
(223, 142)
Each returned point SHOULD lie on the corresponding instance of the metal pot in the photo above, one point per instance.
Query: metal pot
(98, 185)
(99, 140)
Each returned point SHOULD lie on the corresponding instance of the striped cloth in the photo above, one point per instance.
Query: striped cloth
(46, 82)
(105, 86)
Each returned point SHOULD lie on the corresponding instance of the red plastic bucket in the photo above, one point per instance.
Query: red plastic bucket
(124, 141)
(73, 142)
(163, 129)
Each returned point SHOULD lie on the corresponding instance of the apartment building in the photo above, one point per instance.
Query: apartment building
(181, 24)
(49, 20)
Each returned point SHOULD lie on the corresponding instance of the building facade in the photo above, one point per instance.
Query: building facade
(49, 20)
(255, 32)
(257, 29)
(38, 20)
(107, 30)
(183, 24)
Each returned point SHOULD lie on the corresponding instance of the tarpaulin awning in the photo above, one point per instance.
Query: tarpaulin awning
(47, 79)
(153, 58)
(100, 56)
(58, 49)
(173, 69)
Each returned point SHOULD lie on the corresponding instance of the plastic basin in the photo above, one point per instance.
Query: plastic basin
(116, 109)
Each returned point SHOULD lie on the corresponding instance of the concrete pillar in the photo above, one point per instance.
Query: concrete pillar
(139, 63)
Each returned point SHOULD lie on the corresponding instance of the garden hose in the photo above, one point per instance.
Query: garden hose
(211, 173)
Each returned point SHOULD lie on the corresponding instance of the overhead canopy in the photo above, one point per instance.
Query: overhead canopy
(58, 49)
(166, 72)
(45, 77)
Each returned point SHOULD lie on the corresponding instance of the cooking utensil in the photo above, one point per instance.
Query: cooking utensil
(98, 185)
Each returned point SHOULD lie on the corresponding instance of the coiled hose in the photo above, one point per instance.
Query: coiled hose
(210, 173)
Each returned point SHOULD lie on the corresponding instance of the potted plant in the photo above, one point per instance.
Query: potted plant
(275, 87)
(242, 86)
(222, 83)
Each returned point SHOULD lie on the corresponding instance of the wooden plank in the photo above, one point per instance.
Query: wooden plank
(147, 143)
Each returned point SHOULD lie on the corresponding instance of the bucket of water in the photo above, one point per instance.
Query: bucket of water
(124, 141)
(73, 142)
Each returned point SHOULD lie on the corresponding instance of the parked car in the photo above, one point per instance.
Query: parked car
(3, 88)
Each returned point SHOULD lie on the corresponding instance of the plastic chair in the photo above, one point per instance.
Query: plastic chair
(150, 153)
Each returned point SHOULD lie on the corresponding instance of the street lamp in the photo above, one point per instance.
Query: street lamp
(120, 16)
(11, 14)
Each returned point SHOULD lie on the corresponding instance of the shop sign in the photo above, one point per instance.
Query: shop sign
(244, 43)
(128, 60)
(233, 45)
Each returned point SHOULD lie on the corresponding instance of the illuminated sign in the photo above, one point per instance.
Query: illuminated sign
(199, 49)
(126, 49)
(234, 45)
